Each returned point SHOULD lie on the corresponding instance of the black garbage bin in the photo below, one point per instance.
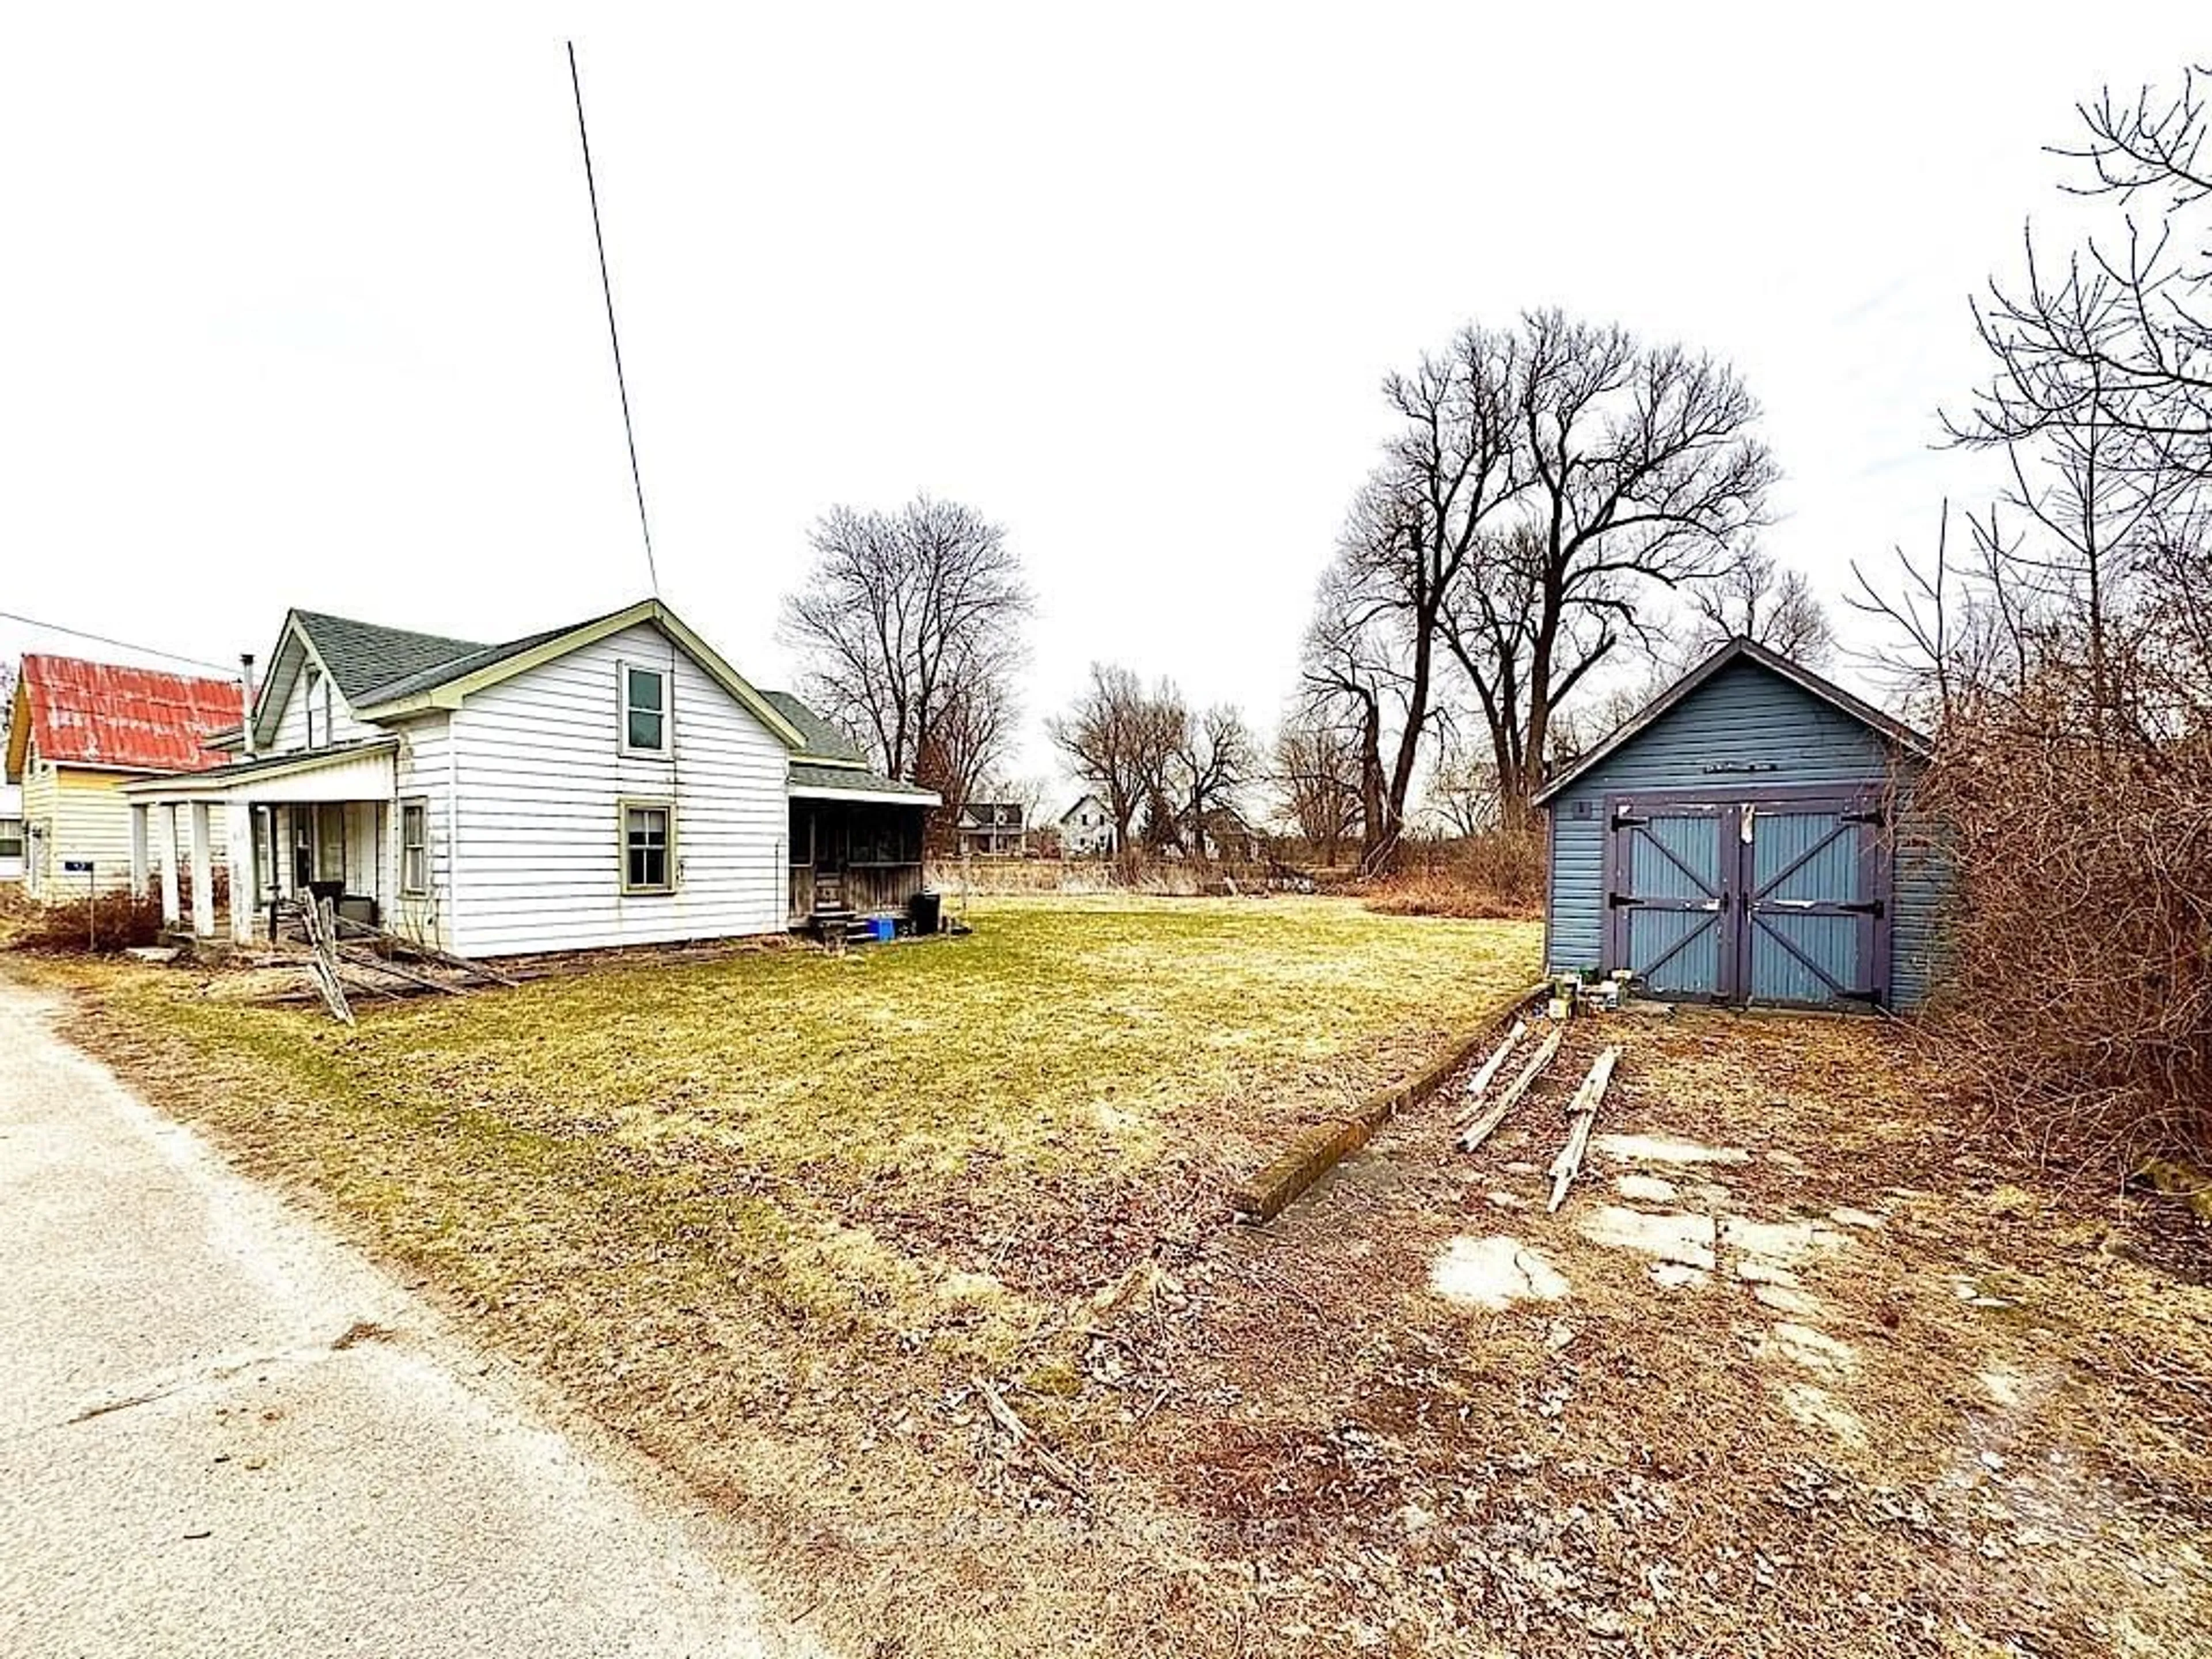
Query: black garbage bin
(923, 906)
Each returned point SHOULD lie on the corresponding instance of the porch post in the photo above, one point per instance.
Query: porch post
(203, 873)
(172, 907)
(139, 836)
(244, 873)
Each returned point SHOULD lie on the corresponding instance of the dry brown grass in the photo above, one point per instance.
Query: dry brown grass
(769, 1216)
(1288, 1442)
(1625, 1471)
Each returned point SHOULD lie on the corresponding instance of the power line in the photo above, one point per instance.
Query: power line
(120, 645)
(614, 338)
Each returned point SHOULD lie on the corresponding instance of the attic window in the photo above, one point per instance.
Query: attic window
(318, 710)
(644, 710)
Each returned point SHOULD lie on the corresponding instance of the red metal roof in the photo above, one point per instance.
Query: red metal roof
(95, 714)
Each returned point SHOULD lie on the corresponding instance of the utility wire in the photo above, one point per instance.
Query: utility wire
(120, 645)
(614, 338)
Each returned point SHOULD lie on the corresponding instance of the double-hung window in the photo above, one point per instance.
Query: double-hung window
(414, 848)
(644, 710)
(649, 846)
(11, 838)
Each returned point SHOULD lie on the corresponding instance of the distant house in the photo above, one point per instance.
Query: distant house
(1086, 829)
(612, 782)
(77, 732)
(991, 829)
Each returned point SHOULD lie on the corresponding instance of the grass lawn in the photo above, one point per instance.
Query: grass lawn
(771, 1214)
(772, 1217)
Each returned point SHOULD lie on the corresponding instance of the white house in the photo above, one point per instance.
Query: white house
(1086, 829)
(614, 782)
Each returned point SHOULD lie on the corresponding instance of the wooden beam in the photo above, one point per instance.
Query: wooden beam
(1581, 1113)
(1479, 1130)
(1479, 1083)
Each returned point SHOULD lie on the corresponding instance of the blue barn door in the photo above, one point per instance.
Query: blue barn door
(1812, 928)
(1780, 898)
(1670, 877)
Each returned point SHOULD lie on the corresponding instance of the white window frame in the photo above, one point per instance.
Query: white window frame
(624, 808)
(420, 803)
(21, 838)
(317, 682)
(668, 678)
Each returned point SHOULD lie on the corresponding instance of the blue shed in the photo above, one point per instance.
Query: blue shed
(1738, 842)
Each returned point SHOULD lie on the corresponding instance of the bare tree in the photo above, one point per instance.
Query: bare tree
(909, 626)
(1753, 597)
(1463, 792)
(1114, 741)
(1315, 775)
(1642, 475)
(1353, 684)
(1454, 464)
(2123, 319)
(1215, 759)
(1542, 484)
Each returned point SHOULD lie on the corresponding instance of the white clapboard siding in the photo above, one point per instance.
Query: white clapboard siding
(540, 775)
(291, 733)
(79, 812)
(423, 773)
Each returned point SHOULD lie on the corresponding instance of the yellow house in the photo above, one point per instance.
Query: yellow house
(77, 732)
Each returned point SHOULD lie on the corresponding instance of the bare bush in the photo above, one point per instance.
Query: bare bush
(2060, 659)
(109, 923)
(1496, 875)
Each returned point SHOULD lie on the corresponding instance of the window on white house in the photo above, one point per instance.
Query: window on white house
(318, 710)
(414, 848)
(11, 838)
(645, 710)
(649, 846)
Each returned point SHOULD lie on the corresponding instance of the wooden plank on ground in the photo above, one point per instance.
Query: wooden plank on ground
(1581, 1113)
(1479, 1130)
(323, 959)
(362, 958)
(1479, 1083)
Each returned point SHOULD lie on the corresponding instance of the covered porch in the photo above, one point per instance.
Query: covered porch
(854, 856)
(321, 823)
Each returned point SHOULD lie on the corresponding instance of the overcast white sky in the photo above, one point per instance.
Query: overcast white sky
(292, 315)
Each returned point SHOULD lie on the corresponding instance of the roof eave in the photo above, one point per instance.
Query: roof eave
(1745, 649)
(454, 692)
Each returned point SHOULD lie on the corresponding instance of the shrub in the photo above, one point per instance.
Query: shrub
(1500, 874)
(112, 921)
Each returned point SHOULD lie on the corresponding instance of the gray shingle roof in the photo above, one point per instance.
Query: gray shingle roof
(824, 739)
(452, 668)
(362, 656)
(803, 776)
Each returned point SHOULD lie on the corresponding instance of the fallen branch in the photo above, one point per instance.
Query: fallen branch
(1581, 1113)
(1480, 1129)
(1045, 1458)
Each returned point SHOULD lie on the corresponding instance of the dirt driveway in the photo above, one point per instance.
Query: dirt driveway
(1791, 1372)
